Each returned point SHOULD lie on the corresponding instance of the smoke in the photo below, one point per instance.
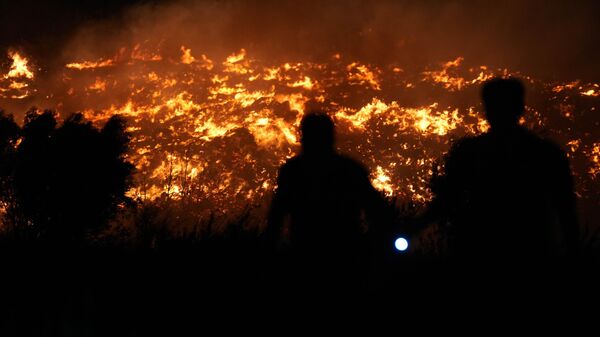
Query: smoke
(545, 39)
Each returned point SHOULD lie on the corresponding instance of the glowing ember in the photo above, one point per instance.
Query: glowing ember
(591, 92)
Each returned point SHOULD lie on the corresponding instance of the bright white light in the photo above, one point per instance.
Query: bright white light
(401, 244)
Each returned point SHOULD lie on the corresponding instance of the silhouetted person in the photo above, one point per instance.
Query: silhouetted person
(324, 195)
(507, 194)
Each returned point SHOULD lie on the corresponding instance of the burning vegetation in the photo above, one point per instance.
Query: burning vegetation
(215, 131)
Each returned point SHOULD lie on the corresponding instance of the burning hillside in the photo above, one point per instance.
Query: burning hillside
(216, 130)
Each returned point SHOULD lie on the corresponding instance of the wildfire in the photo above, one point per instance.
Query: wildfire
(15, 82)
(216, 131)
(186, 57)
(98, 85)
(573, 145)
(449, 78)
(361, 74)
(585, 89)
(382, 181)
(91, 64)
(595, 159)
(19, 67)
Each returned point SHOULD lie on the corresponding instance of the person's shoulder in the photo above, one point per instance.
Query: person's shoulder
(351, 164)
(292, 163)
(290, 168)
(544, 150)
(469, 144)
(551, 149)
(543, 145)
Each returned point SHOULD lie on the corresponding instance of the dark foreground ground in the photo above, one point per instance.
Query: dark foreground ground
(182, 291)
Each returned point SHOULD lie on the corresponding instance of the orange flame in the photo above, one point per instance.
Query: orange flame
(19, 67)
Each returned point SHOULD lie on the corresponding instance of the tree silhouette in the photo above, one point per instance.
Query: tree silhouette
(9, 135)
(68, 181)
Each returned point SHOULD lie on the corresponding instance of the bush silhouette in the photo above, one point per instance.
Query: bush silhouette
(67, 181)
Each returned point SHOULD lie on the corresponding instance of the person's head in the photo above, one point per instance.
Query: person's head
(504, 102)
(317, 133)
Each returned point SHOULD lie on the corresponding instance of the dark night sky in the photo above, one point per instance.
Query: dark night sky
(39, 25)
(543, 38)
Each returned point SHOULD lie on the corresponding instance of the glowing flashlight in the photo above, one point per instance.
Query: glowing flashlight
(401, 244)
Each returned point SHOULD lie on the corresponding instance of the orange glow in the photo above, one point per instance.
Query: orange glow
(574, 145)
(218, 129)
(361, 74)
(595, 160)
(98, 85)
(449, 78)
(382, 181)
(187, 57)
(16, 83)
(584, 89)
(19, 67)
(91, 64)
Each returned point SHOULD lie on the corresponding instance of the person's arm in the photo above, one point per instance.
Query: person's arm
(279, 208)
(379, 214)
(445, 187)
(565, 203)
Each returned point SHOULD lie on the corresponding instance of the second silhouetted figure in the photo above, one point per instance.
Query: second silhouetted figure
(325, 196)
(507, 194)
